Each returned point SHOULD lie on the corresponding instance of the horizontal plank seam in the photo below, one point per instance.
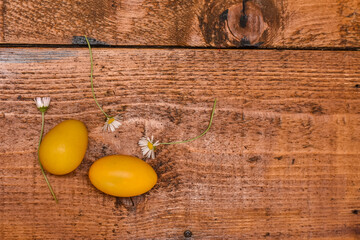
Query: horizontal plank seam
(6, 45)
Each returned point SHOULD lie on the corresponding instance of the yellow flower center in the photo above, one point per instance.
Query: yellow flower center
(111, 120)
(150, 146)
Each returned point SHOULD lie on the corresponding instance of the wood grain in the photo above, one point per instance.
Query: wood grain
(289, 23)
(281, 160)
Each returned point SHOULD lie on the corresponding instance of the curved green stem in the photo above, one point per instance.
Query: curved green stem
(91, 78)
(192, 139)
(41, 166)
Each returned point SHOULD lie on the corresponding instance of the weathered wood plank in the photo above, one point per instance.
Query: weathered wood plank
(280, 162)
(2, 24)
(271, 23)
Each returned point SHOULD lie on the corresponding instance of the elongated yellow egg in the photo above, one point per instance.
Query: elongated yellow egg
(122, 176)
(63, 147)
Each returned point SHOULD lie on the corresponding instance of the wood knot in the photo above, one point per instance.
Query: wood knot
(245, 22)
(251, 24)
(130, 203)
(254, 159)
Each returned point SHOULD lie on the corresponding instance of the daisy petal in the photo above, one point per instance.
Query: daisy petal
(42, 103)
(148, 146)
(112, 123)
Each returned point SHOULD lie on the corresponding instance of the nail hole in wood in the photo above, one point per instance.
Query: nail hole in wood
(187, 234)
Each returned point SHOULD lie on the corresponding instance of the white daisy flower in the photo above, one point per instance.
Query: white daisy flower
(112, 123)
(148, 146)
(42, 103)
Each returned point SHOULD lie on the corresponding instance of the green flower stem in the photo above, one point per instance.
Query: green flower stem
(41, 166)
(192, 139)
(91, 78)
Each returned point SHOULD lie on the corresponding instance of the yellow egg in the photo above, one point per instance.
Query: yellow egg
(122, 176)
(63, 147)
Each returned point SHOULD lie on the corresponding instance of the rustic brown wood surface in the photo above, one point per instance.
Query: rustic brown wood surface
(217, 23)
(281, 160)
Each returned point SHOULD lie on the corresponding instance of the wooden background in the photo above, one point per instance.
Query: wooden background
(282, 160)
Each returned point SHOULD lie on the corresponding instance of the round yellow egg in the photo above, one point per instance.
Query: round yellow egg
(63, 147)
(122, 176)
